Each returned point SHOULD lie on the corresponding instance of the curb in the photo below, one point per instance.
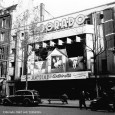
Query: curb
(58, 106)
(64, 106)
(69, 105)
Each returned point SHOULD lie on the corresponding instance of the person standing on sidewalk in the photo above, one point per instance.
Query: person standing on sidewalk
(64, 98)
(82, 100)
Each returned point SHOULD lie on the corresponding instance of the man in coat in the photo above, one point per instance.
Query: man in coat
(82, 100)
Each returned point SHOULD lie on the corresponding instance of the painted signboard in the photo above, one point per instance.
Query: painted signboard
(57, 61)
(57, 76)
(56, 66)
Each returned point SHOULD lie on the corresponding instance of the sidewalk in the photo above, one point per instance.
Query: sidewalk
(71, 103)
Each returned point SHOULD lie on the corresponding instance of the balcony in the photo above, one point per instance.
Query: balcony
(12, 44)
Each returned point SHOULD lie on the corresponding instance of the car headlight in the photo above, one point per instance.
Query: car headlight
(93, 102)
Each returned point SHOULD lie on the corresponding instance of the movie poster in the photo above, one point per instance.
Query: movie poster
(56, 62)
(75, 64)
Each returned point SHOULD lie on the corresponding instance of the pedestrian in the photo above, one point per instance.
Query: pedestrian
(64, 98)
(82, 100)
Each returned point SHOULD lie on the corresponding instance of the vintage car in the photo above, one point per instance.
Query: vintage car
(101, 104)
(23, 97)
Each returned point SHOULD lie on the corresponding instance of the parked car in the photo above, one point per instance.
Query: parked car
(1, 99)
(101, 104)
(23, 97)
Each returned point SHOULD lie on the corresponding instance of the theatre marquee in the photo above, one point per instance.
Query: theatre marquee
(57, 76)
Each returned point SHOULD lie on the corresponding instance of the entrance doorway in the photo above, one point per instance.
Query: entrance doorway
(11, 90)
(104, 65)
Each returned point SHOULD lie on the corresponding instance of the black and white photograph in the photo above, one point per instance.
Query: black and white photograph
(57, 57)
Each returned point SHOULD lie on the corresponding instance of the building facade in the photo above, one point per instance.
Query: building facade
(23, 23)
(5, 41)
(60, 53)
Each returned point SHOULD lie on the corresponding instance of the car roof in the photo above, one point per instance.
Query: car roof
(26, 90)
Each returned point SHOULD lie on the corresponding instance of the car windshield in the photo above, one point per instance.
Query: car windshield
(35, 93)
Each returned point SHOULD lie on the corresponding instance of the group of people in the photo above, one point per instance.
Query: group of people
(105, 99)
(82, 98)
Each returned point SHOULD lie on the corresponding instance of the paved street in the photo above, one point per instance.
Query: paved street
(55, 108)
(10, 110)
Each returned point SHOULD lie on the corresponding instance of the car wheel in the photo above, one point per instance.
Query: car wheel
(93, 108)
(110, 108)
(0, 101)
(5, 103)
(27, 102)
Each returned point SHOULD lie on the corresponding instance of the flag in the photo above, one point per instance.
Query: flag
(37, 46)
(69, 41)
(44, 45)
(52, 43)
(78, 39)
(60, 42)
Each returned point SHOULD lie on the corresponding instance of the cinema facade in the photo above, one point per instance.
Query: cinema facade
(61, 59)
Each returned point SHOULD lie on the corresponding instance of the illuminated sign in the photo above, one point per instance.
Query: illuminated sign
(64, 23)
(80, 19)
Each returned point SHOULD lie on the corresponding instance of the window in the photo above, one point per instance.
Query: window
(1, 52)
(2, 37)
(0, 56)
(13, 64)
(36, 93)
(88, 21)
(3, 23)
(22, 35)
(19, 93)
(27, 93)
(104, 65)
(13, 51)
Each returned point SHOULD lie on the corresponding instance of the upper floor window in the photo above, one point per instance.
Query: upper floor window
(3, 23)
(12, 64)
(1, 50)
(22, 34)
(87, 21)
(13, 51)
(2, 37)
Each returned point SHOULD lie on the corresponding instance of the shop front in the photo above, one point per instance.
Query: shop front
(55, 84)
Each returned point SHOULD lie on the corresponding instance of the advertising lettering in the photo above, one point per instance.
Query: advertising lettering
(41, 77)
(57, 76)
(61, 75)
(80, 75)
